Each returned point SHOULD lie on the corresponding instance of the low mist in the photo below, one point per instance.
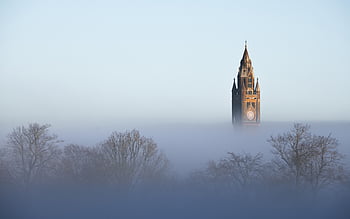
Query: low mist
(175, 171)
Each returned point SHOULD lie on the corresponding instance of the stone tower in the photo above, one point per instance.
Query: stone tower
(246, 95)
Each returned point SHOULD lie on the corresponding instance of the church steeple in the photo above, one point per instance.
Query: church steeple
(246, 96)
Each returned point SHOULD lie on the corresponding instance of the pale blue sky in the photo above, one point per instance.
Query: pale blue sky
(69, 61)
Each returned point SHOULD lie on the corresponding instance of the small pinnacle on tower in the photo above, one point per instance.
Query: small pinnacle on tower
(257, 87)
(234, 84)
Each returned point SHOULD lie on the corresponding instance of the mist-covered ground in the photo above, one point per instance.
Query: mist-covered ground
(186, 203)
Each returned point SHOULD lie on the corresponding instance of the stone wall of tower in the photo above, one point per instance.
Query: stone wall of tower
(236, 106)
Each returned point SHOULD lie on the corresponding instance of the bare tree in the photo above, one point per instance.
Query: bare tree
(132, 158)
(245, 169)
(83, 164)
(306, 159)
(31, 152)
(237, 170)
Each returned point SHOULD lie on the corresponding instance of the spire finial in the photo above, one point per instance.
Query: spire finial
(245, 44)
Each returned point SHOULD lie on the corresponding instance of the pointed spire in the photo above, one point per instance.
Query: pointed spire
(245, 54)
(245, 61)
(257, 87)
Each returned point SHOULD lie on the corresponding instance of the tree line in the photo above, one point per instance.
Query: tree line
(33, 155)
(302, 161)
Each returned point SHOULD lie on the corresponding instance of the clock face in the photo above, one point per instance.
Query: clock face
(250, 115)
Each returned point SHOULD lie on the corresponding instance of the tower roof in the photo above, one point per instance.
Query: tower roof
(245, 59)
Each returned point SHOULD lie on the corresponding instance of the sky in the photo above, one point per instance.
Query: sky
(171, 61)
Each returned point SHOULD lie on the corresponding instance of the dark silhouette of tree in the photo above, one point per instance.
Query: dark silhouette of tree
(132, 158)
(310, 161)
(83, 164)
(236, 170)
(31, 152)
(244, 169)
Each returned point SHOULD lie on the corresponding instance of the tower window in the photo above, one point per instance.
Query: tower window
(249, 92)
(248, 104)
(250, 85)
(250, 80)
(253, 104)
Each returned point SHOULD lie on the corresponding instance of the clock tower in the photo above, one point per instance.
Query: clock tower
(246, 94)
